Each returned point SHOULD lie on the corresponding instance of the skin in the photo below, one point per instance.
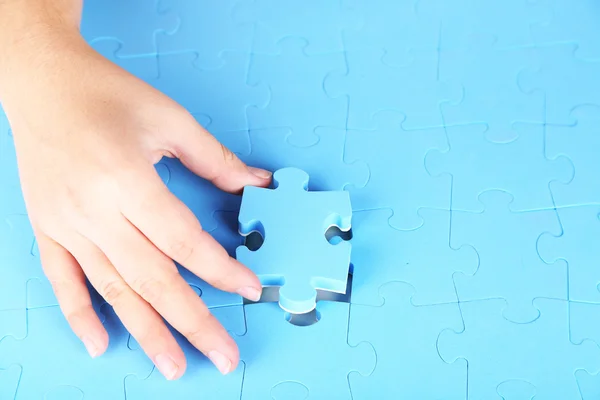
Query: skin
(87, 136)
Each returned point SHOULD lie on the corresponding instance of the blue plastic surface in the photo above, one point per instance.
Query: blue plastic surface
(404, 351)
(324, 367)
(576, 244)
(295, 254)
(518, 274)
(416, 108)
(544, 357)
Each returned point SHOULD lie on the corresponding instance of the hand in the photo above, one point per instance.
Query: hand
(87, 135)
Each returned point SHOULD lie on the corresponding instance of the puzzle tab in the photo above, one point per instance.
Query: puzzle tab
(295, 253)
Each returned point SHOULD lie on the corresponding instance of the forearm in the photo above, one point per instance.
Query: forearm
(30, 33)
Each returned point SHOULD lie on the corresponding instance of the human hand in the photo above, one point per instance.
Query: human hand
(87, 135)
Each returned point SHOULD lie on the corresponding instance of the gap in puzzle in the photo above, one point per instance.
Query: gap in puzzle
(458, 139)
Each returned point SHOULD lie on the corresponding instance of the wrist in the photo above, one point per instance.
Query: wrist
(31, 34)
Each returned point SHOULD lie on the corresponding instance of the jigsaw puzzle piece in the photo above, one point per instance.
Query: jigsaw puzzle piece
(577, 246)
(289, 391)
(374, 83)
(579, 143)
(201, 379)
(276, 351)
(519, 167)
(295, 253)
(491, 94)
(297, 98)
(227, 235)
(589, 384)
(393, 26)
(574, 22)
(323, 161)
(538, 352)
(398, 177)
(565, 80)
(516, 390)
(509, 267)
(421, 257)
(274, 20)
(220, 95)
(19, 265)
(508, 23)
(9, 380)
(134, 23)
(64, 393)
(404, 337)
(205, 27)
(50, 357)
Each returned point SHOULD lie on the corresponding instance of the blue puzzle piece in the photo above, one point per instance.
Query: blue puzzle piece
(201, 378)
(319, 22)
(519, 167)
(404, 337)
(19, 265)
(374, 83)
(51, 356)
(9, 381)
(589, 384)
(134, 23)
(491, 93)
(272, 151)
(516, 273)
(289, 391)
(575, 22)
(220, 95)
(578, 246)
(64, 393)
(507, 22)
(565, 80)
(295, 253)
(516, 390)
(206, 27)
(297, 97)
(398, 178)
(421, 257)
(579, 143)
(393, 26)
(300, 352)
(538, 352)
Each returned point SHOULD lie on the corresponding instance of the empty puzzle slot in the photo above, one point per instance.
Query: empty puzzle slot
(254, 241)
(335, 235)
(305, 319)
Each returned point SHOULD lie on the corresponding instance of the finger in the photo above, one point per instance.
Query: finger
(204, 155)
(173, 228)
(138, 317)
(152, 275)
(69, 285)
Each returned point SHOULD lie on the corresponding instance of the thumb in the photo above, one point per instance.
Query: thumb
(208, 158)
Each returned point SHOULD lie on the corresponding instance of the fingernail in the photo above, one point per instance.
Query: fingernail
(90, 346)
(221, 362)
(166, 366)
(250, 293)
(261, 173)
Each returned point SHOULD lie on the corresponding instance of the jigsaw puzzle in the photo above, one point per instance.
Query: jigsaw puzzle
(453, 143)
(292, 221)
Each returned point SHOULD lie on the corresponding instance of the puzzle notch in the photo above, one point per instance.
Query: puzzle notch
(295, 253)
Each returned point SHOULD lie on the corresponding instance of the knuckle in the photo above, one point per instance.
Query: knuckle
(152, 288)
(113, 291)
(181, 250)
